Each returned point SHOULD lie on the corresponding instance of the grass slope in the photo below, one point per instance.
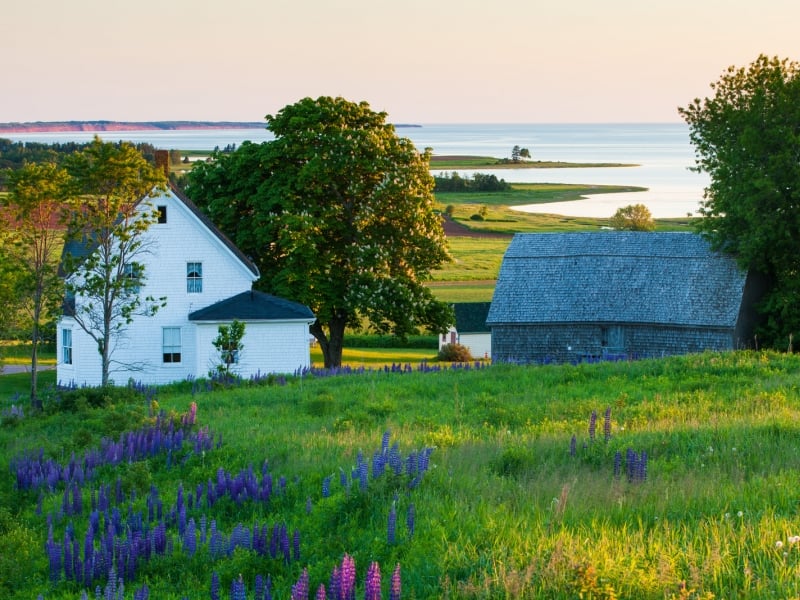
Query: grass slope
(506, 510)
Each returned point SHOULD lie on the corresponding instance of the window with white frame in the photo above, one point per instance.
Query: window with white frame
(171, 344)
(131, 272)
(66, 346)
(194, 277)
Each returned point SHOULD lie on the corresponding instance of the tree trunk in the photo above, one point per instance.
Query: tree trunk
(35, 402)
(331, 344)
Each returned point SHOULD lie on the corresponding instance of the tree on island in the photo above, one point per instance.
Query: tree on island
(337, 212)
(634, 217)
(517, 154)
(108, 222)
(747, 138)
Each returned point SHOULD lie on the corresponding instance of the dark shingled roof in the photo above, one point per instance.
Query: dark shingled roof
(471, 317)
(617, 277)
(253, 306)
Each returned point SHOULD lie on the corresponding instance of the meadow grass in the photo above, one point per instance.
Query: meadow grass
(511, 507)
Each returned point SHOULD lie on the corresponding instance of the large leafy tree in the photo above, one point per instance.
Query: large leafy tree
(34, 211)
(112, 184)
(747, 138)
(337, 211)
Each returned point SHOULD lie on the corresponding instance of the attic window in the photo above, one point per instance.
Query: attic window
(162, 214)
(194, 277)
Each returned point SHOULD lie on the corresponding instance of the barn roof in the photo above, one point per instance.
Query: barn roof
(617, 277)
(253, 306)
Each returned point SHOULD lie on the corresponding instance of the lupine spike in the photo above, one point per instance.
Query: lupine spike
(592, 425)
(394, 590)
(372, 585)
(607, 425)
(391, 526)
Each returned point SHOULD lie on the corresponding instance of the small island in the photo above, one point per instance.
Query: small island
(489, 162)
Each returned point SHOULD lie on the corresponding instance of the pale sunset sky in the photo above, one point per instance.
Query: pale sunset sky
(421, 61)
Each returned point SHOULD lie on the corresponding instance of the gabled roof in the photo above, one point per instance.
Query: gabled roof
(214, 229)
(471, 317)
(253, 306)
(82, 248)
(617, 277)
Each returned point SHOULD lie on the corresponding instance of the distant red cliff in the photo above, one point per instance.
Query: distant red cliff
(67, 126)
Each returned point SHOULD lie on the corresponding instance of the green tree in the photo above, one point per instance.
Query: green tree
(228, 344)
(515, 154)
(108, 222)
(747, 138)
(35, 209)
(337, 212)
(634, 217)
(524, 153)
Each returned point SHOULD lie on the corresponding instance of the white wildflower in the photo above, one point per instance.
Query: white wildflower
(779, 544)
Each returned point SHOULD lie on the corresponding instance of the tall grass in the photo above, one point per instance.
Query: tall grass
(511, 507)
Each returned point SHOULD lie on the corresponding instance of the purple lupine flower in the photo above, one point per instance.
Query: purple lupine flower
(284, 544)
(190, 538)
(617, 464)
(326, 487)
(363, 475)
(607, 424)
(214, 586)
(642, 470)
(238, 590)
(372, 584)
(308, 505)
(347, 581)
(385, 442)
(296, 544)
(592, 425)
(630, 463)
(320, 595)
(410, 518)
(395, 461)
(259, 591)
(394, 590)
(392, 526)
(143, 593)
(300, 589)
(573, 445)
(335, 583)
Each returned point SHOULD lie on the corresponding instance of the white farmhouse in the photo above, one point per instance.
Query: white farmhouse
(207, 281)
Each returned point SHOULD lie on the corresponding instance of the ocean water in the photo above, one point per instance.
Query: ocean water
(661, 152)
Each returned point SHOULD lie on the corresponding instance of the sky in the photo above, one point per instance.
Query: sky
(420, 61)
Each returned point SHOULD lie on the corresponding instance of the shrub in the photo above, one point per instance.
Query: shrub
(454, 353)
(475, 217)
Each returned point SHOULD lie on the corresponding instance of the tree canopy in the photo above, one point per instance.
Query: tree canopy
(337, 212)
(634, 217)
(34, 211)
(747, 138)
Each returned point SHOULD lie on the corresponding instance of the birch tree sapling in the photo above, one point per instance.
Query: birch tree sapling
(109, 220)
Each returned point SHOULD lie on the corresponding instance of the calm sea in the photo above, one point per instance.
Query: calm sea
(662, 153)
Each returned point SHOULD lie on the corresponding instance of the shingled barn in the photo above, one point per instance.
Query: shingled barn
(578, 296)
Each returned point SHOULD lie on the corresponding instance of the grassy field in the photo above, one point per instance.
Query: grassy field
(672, 478)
